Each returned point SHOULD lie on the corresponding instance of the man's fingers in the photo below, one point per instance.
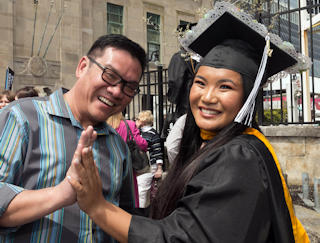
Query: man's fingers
(77, 153)
(87, 159)
(89, 132)
(93, 137)
(88, 136)
(81, 172)
(84, 139)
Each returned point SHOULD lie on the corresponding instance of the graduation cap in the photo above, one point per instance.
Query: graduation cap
(231, 39)
(229, 27)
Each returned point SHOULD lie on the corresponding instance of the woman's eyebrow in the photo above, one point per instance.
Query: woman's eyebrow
(227, 80)
(219, 81)
(201, 77)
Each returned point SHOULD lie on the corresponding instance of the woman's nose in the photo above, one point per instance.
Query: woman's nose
(210, 95)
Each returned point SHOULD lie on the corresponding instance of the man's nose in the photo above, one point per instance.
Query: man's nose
(116, 90)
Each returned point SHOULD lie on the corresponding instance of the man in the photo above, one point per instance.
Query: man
(39, 139)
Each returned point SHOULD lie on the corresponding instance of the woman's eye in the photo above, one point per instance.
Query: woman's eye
(199, 82)
(225, 86)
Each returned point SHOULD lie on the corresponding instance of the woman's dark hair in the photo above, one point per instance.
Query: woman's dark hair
(120, 42)
(187, 162)
(8, 94)
(27, 91)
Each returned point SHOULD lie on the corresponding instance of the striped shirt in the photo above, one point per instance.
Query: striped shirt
(154, 144)
(38, 137)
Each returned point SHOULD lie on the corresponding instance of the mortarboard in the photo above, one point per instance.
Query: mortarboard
(229, 38)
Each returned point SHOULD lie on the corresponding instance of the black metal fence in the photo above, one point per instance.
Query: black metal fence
(294, 99)
(152, 96)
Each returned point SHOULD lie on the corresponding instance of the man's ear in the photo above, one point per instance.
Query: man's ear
(82, 67)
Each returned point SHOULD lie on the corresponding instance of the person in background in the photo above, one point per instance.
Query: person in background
(6, 97)
(226, 183)
(144, 122)
(181, 72)
(174, 137)
(117, 122)
(27, 91)
(40, 137)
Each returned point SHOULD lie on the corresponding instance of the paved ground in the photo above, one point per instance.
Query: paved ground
(306, 214)
(310, 220)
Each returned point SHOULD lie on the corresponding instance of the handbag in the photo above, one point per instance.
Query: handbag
(139, 158)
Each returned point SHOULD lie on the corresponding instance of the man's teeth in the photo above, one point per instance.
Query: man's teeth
(104, 100)
(209, 112)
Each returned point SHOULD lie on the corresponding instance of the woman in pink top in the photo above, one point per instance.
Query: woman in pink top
(117, 122)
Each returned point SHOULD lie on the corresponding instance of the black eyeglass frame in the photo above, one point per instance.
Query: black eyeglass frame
(121, 80)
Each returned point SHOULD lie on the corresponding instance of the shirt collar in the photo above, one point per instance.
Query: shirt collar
(56, 106)
(146, 128)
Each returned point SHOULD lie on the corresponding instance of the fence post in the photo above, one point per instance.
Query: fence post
(305, 185)
(160, 90)
(316, 193)
(260, 108)
(148, 89)
(305, 190)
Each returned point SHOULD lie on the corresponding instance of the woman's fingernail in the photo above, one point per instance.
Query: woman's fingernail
(69, 178)
(76, 161)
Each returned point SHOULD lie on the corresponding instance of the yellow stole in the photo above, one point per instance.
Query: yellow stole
(206, 135)
(300, 235)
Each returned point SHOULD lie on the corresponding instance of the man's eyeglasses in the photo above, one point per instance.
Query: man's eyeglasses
(112, 78)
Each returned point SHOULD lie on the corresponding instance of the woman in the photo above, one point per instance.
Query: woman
(225, 184)
(27, 91)
(6, 97)
(116, 121)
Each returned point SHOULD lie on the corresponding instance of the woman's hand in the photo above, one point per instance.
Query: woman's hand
(88, 184)
(88, 187)
(159, 171)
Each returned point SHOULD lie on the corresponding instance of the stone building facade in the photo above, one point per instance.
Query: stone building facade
(297, 149)
(43, 42)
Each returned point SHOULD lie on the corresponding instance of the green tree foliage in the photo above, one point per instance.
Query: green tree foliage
(276, 117)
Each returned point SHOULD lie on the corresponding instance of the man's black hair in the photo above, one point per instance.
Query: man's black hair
(120, 42)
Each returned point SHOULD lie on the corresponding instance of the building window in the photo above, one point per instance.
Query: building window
(114, 19)
(182, 22)
(153, 36)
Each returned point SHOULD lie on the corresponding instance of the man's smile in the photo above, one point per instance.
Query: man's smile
(105, 101)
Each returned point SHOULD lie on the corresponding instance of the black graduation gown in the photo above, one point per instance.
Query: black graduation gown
(180, 74)
(236, 196)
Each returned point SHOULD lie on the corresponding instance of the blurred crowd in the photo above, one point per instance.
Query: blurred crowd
(7, 96)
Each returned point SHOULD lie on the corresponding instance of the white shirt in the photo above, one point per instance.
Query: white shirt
(174, 138)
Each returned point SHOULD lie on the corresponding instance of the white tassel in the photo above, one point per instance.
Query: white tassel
(245, 115)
